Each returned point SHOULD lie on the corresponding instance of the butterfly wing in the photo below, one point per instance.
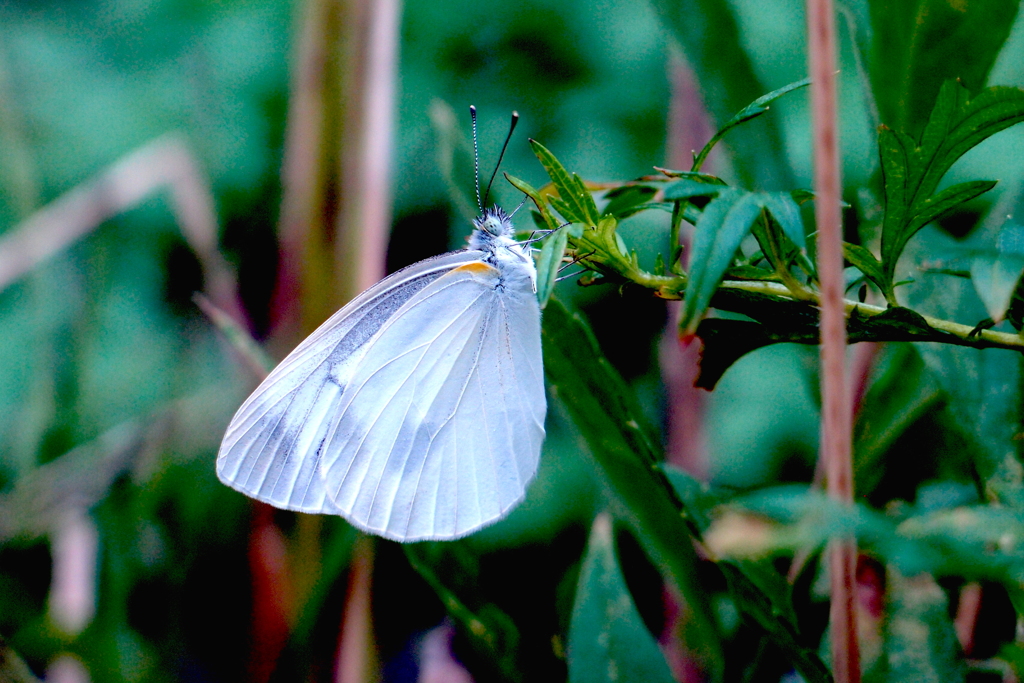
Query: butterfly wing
(440, 428)
(273, 444)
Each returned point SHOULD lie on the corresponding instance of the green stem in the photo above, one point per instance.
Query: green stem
(965, 333)
(699, 160)
(673, 287)
(796, 288)
(676, 253)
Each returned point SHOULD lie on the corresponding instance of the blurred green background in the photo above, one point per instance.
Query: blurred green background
(115, 389)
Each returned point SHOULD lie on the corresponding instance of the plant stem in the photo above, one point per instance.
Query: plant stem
(836, 413)
(303, 297)
(355, 660)
(670, 287)
(965, 334)
(364, 222)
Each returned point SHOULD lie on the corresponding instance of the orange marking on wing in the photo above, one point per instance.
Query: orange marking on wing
(477, 268)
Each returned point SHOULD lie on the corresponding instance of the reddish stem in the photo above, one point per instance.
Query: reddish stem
(355, 662)
(689, 128)
(271, 594)
(967, 612)
(365, 221)
(837, 414)
(299, 304)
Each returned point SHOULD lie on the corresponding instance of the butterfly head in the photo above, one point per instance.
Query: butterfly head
(494, 222)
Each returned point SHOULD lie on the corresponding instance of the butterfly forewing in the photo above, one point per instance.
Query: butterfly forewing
(272, 447)
(433, 440)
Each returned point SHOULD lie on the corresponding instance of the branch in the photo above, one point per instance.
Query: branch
(931, 329)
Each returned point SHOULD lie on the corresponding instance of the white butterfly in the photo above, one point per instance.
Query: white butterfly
(416, 411)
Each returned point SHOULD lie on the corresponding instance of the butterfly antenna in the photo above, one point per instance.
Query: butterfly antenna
(513, 214)
(476, 160)
(511, 127)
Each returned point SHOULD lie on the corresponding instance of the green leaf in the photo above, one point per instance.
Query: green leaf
(895, 149)
(920, 641)
(526, 188)
(708, 33)
(901, 392)
(760, 105)
(996, 273)
(608, 640)
(689, 187)
(801, 196)
(764, 597)
(785, 211)
(623, 200)
(912, 170)
(692, 175)
(940, 204)
(690, 212)
(565, 209)
(574, 202)
(751, 111)
(920, 45)
(949, 538)
(864, 261)
(549, 221)
(605, 235)
(778, 250)
(561, 179)
(762, 593)
(958, 124)
(1011, 242)
(586, 200)
(625, 457)
(725, 222)
(995, 278)
(747, 272)
(983, 386)
(548, 264)
(699, 500)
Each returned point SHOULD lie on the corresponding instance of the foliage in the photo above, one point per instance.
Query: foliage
(116, 388)
(607, 638)
(911, 172)
(782, 282)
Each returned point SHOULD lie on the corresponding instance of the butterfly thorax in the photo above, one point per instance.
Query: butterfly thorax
(494, 235)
